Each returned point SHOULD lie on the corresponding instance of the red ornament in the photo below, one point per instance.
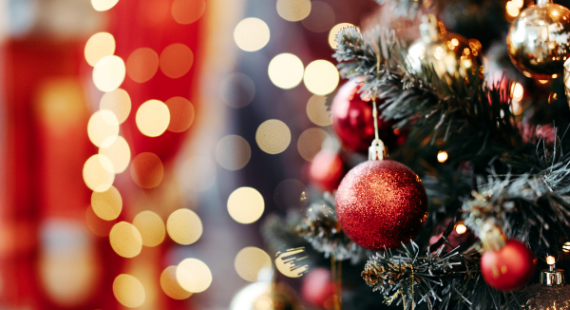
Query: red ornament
(318, 287)
(354, 124)
(326, 170)
(381, 204)
(509, 268)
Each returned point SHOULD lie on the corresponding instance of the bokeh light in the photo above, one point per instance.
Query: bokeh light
(237, 90)
(176, 60)
(184, 226)
(193, 275)
(98, 173)
(119, 153)
(512, 9)
(460, 229)
(550, 260)
(310, 142)
(129, 291)
(246, 205)
(103, 5)
(187, 11)
(198, 174)
(566, 247)
(334, 32)
(125, 240)
(318, 112)
(99, 45)
(181, 114)
(109, 73)
(251, 34)
(170, 285)
(107, 205)
(273, 136)
(321, 77)
(517, 91)
(286, 71)
(249, 261)
(151, 228)
(103, 128)
(147, 170)
(153, 118)
(321, 18)
(233, 152)
(117, 101)
(142, 64)
(287, 267)
(293, 10)
(442, 156)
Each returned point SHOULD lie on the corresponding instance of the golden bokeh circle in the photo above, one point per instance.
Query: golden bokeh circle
(176, 60)
(318, 112)
(151, 228)
(170, 285)
(181, 114)
(251, 34)
(129, 291)
(152, 118)
(250, 261)
(119, 153)
(98, 173)
(310, 142)
(193, 275)
(233, 152)
(142, 64)
(107, 205)
(109, 73)
(103, 5)
(246, 205)
(147, 170)
(321, 77)
(293, 10)
(286, 70)
(334, 32)
(117, 101)
(184, 226)
(126, 240)
(273, 136)
(287, 267)
(187, 11)
(103, 128)
(99, 45)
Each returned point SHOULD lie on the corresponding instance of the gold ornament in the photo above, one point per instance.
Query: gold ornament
(538, 40)
(551, 293)
(266, 296)
(447, 52)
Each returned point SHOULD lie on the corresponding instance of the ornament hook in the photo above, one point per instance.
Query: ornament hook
(377, 150)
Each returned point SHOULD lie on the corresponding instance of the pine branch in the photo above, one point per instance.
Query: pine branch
(411, 7)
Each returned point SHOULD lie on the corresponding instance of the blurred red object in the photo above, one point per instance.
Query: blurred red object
(326, 170)
(318, 287)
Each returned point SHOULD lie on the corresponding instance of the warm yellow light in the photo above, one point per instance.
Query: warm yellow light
(176, 60)
(129, 291)
(442, 156)
(181, 114)
(184, 226)
(103, 5)
(118, 102)
(151, 228)
(287, 267)
(516, 108)
(99, 45)
(153, 118)
(233, 152)
(109, 73)
(246, 205)
(193, 275)
(318, 112)
(517, 91)
(103, 128)
(251, 34)
(543, 81)
(286, 71)
(250, 261)
(293, 10)
(460, 229)
(550, 260)
(142, 64)
(98, 173)
(310, 142)
(273, 136)
(321, 77)
(187, 11)
(512, 9)
(107, 205)
(334, 32)
(125, 240)
(118, 153)
(518, 3)
(147, 170)
(454, 42)
(170, 285)
(566, 247)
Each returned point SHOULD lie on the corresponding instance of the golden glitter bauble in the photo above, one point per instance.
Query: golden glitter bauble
(266, 296)
(541, 297)
(539, 40)
(447, 52)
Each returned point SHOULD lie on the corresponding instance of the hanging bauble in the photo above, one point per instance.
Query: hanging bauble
(318, 287)
(326, 170)
(381, 204)
(551, 293)
(354, 124)
(538, 40)
(266, 296)
(447, 52)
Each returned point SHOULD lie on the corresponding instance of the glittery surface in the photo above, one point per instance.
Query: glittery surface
(381, 203)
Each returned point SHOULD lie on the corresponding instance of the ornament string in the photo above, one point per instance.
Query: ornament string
(377, 150)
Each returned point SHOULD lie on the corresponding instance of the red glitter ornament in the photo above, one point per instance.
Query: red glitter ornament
(354, 124)
(381, 204)
(508, 268)
(326, 170)
(318, 287)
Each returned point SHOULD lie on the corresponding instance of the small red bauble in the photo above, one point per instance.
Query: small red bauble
(326, 170)
(509, 268)
(318, 287)
(381, 204)
(354, 124)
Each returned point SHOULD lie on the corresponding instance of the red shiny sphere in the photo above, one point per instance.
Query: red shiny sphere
(326, 170)
(381, 204)
(354, 124)
(318, 287)
(509, 268)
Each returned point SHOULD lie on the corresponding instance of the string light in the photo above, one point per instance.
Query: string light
(107, 205)
(109, 73)
(251, 34)
(286, 71)
(119, 153)
(333, 33)
(233, 152)
(246, 205)
(193, 275)
(293, 10)
(460, 228)
(184, 226)
(321, 77)
(273, 136)
(98, 46)
(142, 64)
(250, 261)
(129, 291)
(442, 156)
(117, 101)
(153, 118)
(176, 60)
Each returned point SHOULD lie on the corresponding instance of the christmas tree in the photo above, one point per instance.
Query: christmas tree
(472, 208)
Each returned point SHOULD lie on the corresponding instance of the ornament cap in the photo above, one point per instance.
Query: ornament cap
(377, 150)
(492, 237)
(552, 277)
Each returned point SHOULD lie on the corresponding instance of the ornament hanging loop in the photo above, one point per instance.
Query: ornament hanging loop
(377, 150)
